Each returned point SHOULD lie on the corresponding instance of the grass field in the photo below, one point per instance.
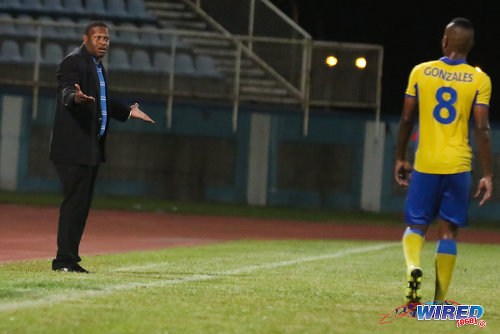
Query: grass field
(242, 287)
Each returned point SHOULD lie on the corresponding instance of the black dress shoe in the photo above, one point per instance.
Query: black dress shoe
(74, 268)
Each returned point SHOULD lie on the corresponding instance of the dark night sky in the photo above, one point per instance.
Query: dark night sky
(410, 34)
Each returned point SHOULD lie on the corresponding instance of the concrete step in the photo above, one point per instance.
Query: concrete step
(228, 62)
(211, 42)
(165, 5)
(258, 82)
(183, 24)
(219, 52)
(255, 90)
(174, 15)
(251, 72)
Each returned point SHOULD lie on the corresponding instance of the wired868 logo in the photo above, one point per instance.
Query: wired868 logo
(438, 310)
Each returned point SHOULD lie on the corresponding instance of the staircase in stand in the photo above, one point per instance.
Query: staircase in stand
(258, 81)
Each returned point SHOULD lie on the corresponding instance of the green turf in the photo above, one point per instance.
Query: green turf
(241, 287)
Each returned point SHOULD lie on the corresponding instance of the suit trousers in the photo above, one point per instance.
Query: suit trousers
(78, 187)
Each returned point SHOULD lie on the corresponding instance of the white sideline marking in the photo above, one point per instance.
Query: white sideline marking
(54, 299)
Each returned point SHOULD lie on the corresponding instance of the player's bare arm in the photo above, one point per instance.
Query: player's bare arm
(483, 141)
(402, 169)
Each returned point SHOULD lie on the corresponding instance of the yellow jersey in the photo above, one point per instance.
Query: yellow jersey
(446, 91)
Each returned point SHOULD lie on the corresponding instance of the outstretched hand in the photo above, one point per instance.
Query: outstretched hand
(139, 114)
(402, 172)
(484, 187)
(82, 98)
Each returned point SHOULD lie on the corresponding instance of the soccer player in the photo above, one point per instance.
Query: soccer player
(443, 93)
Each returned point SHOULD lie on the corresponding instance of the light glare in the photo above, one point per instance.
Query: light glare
(331, 61)
(361, 62)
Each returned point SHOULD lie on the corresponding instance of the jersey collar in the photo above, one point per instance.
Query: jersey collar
(453, 61)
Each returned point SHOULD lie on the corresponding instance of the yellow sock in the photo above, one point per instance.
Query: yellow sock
(413, 241)
(446, 256)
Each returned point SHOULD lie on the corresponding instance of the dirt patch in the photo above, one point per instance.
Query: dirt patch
(29, 232)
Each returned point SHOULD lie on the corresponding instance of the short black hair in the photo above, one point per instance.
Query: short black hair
(463, 23)
(94, 24)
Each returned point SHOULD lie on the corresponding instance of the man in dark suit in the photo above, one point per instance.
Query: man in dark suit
(77, 145)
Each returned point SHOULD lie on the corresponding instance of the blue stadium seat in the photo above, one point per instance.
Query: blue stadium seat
(67, 32)
(9, 52)
(119, 60)
(184, 64)
(7, 27)
(113, 35)
(26, 30)
(29, 52)
(150, 38)
(53, 6)
(95, 7)
(128, 36)
(140, 61)
(167, 40)
(116, 8)
(53, 54)
(32, 4)
(48, 30)
(73, 6)
(206, 66)
(83, 22)
(162, 62)
(11, 4)
(137, 8)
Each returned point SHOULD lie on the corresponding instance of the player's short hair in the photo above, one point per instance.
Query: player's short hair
(463, 23)
(94, 24)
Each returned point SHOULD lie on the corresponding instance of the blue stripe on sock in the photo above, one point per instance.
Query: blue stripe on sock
(414, 230)
(446, 246)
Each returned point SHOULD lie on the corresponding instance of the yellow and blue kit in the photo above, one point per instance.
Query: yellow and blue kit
(446, 91)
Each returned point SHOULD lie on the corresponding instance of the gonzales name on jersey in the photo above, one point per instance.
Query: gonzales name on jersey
(446, 91)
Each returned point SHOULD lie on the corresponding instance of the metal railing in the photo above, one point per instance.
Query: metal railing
(300, 77)
(296, 59)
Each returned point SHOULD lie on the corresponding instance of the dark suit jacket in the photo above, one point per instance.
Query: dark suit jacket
(75, 135)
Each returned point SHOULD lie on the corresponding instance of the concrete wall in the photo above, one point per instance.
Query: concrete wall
(345, 162)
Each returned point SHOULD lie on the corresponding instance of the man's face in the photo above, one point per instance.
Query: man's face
(97, 41)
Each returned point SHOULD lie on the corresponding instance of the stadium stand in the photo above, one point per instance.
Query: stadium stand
(128, 36)
(73, 6)
(119, 60)
(206, 66)
(11, 4)
(32, 4)
(29, 52)
(54, 6)
(184, 64)
(53, 54)
(7, 28)
(162, 62)
(96, 7)
(134, 50)
(138, 8)
(67, 31)
(49, 31)
(140, 61)
(193, 88)
(27, 29)
(10, 52)
(117, 8)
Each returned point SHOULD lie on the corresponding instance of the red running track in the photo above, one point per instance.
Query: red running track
(29, 232)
